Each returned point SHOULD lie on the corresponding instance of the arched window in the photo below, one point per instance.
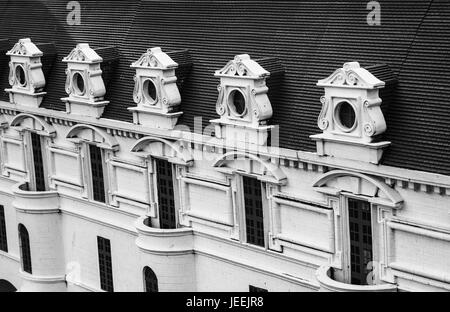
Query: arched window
(151, 281)
(25, 248)
(6, 286)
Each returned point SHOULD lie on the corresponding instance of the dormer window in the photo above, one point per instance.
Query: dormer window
(351, 115)
(84, 82)
(21, 78)
(150, 92)
(26, 77)
(78, 84)
(237, 103)
(345, 116)
(155, 90)
(243, 104)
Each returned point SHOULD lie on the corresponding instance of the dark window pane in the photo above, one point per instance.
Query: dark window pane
(360, 223)
(24, 240)
(105, 264)
(252, 288)
(166, 197)
(3, 240)
(347, 115)
(39, 175)
(254, 220)
(98, 184)
(238, 102)
(151, 281)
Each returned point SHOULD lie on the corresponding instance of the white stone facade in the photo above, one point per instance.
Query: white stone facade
(306, 231)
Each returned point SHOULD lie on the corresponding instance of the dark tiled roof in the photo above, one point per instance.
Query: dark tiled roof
(309, 39)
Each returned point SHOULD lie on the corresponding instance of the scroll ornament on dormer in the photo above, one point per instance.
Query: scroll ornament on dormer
(322, 121)
(371, 127)
(25, 48)
(150, 60)
(220, 105)
(243, 66)
(18, 49)
(83, 53)
(354, 76)
(77, 55)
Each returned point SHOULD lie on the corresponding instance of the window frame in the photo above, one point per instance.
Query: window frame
(91, 176)
(106, 285)
(88, 192)
(3, 230)
(153, 274)
(147, 99)
(242, 213)
(154, 198)
(337, 116)
(25, 251)
(231, 102)
(22, 66)
(156, 161)
(345, 225)
(29, 159)
(256, 289)
(74, 81)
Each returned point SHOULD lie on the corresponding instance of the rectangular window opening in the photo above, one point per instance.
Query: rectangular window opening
(254, 219)
(105, 264)
(166, 196)
(3, 239)
(252, 288)
(98, 183)
(39, 174)
(360, 227)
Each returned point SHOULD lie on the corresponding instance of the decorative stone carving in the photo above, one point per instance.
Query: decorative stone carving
(351, 118)
(84, 82)
(243, 104)
(155, 90)
(25, 74)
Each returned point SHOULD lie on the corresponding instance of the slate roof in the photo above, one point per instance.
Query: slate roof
(309, 39)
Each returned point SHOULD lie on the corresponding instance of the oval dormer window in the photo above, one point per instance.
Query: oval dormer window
(237, 103)
(20, 76)
(149, 90)
(78, 84)
(345, 116)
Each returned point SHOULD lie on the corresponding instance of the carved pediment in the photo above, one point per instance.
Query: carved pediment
(84, 54)
(25, 48)
(232, 162)
(337, 181)
(91, 134)
(352, 76)
(155, 58)
(243, 66)
(157, 147)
